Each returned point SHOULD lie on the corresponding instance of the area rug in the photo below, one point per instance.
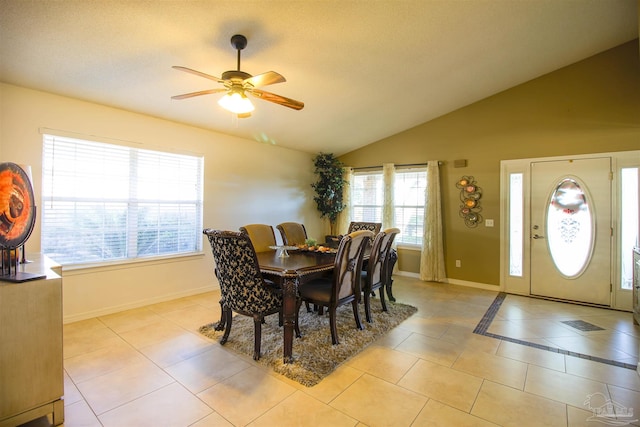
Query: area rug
(314, 355)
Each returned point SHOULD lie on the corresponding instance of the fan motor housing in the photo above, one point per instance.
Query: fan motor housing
(235, 75)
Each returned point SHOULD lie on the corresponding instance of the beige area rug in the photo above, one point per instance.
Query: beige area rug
(314, 355)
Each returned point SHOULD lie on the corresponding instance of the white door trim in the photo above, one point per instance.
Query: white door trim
(621, 298)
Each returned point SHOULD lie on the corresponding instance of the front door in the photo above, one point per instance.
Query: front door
(571, 230)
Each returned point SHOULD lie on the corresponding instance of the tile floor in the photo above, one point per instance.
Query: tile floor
(150, 367)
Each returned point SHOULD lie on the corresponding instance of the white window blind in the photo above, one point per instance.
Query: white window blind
(409, 195)
(104, 202)
(367, 198)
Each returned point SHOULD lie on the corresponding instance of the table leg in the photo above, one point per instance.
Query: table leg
(290, 292)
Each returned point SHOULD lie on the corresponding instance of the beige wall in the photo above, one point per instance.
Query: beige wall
(245, 182)
(589, 107)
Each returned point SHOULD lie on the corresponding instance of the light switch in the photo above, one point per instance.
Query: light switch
(488, 223)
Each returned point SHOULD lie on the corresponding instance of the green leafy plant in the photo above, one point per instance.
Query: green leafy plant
(328, 187)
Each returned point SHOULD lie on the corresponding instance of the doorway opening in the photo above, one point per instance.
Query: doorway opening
(550, 206)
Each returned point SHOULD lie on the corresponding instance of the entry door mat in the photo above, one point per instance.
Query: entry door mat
(492, 311)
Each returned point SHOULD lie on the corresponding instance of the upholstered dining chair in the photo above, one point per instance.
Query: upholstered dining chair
(242, 286)
(293, 233)
(377, 272)
(261, 235)
(371, 226)
(343, 286)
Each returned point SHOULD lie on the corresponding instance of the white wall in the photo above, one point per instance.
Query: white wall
(245, 182)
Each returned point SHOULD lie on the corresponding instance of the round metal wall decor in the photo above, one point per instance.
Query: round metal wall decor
(17, 207)
(470, 195)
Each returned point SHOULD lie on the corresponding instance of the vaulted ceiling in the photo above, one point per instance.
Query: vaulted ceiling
(364, 69)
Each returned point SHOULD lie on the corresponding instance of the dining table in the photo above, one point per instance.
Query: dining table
(291, 272)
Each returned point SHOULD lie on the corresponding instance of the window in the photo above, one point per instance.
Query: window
(104, 202)
(570, 227)
(409, 195)
(629, 224)
(367, 198)
(516, 218)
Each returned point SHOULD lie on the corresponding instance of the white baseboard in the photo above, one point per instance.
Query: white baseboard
(477, 285)
(466, 283)
(406, 274)
(141, 303)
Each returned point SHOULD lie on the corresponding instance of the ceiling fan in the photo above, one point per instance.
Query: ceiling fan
(238, 83)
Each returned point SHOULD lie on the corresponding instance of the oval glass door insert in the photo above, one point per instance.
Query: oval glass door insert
(570, 233)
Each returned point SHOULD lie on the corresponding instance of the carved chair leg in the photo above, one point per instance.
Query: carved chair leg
(382, 299)
(367, 306)
(228, 319)
(356, 314)
(296, 326)
(388, 286)
(220, 325)
(333, 326)
(257, 334)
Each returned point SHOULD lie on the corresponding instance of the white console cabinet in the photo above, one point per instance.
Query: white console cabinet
(31, 360)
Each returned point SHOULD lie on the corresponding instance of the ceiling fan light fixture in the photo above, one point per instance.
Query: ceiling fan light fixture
(237, 83)
(236, 103)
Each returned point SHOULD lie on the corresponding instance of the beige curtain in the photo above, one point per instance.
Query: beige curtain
(344, 218)
(432, 257)
(388, 176)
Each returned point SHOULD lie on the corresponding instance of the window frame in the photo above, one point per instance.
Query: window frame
(396, 206)
(418, 208)
(378, 207)
(137, 169)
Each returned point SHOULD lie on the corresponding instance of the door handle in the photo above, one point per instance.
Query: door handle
(536, 236)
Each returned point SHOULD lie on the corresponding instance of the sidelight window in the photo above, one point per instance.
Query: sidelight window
(629, 224)
(516, 219)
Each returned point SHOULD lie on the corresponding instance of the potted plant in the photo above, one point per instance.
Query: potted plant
(328, 187)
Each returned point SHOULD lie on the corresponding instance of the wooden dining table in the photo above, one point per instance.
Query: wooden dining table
(293, 271)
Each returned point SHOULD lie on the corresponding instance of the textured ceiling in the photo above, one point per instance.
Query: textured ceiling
(364, 69)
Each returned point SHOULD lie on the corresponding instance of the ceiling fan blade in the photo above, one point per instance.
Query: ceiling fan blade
(200, 92)
(272, 97)
(198, 73)
(264, 79)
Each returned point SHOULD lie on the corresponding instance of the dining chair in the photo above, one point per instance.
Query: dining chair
(371, 226)
(261, 235)
(242, 287)
(293, 233)
(376, 274)
(343, 286)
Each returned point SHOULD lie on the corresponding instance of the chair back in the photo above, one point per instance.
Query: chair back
(293, 233)
(348, 265)
(261, 235)
(378, 260)
(241, 283)
(371, 226)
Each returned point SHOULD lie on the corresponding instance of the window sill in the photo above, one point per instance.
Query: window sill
(409, 247)
(77, 269)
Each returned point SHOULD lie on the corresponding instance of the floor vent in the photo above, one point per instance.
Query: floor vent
(583, 326)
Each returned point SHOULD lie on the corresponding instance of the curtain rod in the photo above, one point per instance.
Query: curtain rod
(406, 165)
